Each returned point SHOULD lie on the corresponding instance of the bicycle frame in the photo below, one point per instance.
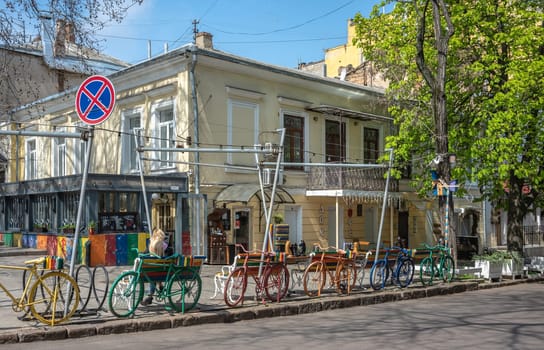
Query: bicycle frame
(342, 273)
(19, 303)
(52, 306)
(441, 265)
(271, 278)
(402, 265)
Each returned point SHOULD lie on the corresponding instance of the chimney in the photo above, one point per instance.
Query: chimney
(70, 33)
(204, 40)
(60, 37)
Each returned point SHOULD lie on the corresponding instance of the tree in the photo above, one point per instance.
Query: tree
(20, 22)
(493, 82)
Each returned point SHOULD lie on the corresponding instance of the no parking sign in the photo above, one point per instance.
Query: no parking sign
(95, 100)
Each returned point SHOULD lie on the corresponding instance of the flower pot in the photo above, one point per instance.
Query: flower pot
(512, 268)
(490, 269)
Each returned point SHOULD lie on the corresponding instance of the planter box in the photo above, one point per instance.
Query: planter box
(512, 268)
(490, 269)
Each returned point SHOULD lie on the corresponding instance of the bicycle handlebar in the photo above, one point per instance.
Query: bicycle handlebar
(35, 261)
(245, 251)
(434, 247)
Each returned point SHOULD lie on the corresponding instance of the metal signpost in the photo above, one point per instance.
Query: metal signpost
(95, 101)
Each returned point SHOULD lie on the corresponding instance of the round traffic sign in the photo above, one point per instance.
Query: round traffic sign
(95, 100)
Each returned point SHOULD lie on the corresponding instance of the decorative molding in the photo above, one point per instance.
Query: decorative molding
(238, 92)
(293, 102)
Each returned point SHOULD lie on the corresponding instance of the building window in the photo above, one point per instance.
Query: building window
(68, 208)
(164, 135)
(242, 129)
(371, 145)
(59, 155)
(31, 160)
(294, 141)
(335, 141)
(16, 207)
(131, 127)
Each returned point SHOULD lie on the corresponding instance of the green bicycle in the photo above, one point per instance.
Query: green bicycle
(436, 266)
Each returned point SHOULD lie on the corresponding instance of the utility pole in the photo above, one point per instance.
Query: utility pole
(195, 29)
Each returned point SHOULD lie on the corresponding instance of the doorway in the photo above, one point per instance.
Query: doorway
(403, 228)
(241, 227)
(293, 218)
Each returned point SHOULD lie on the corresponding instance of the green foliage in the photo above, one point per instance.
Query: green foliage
(495, 70)
(499, 256)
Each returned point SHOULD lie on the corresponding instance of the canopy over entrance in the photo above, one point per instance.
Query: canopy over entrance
(244, 192)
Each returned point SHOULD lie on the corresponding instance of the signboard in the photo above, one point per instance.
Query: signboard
(95, 100)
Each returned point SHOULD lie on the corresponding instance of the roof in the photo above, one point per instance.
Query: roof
(244, 192)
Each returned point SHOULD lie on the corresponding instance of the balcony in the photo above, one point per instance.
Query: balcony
(344, 178)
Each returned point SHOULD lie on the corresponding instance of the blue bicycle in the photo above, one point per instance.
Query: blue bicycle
(401, 269)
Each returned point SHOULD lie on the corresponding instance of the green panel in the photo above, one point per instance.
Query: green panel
(132, 242)
(8, 239)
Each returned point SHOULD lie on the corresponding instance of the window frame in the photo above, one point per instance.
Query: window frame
(304, 134)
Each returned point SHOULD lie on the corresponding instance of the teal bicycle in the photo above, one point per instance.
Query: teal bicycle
(436, 266)
(180, 275)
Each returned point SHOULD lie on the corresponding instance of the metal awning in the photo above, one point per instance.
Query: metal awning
(244, 192)
(348, 113)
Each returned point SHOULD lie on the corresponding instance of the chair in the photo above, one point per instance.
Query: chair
(297, 273)
(221, 277)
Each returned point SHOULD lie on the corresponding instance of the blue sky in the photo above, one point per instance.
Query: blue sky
(280, 32)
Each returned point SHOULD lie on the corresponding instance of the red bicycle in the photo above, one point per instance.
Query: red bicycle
(267, 269)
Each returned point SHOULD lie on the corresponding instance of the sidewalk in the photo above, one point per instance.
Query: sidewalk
(100, 321)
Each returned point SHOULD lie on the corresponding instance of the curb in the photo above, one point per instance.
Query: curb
(286, 308)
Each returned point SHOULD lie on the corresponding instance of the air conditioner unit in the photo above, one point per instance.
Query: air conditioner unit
(268, 177)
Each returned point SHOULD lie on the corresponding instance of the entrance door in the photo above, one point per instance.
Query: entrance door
(293, 218)
(241, 227)
(403, 228)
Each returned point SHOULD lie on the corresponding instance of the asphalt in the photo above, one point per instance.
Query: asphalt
(97, 320)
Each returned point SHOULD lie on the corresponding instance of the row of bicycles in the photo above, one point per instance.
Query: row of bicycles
(331, 268)
(51, 295)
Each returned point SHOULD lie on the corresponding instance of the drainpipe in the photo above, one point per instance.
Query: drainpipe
(197, 144)
(47, 33)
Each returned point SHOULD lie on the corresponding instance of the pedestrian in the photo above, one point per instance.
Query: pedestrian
(157, 246)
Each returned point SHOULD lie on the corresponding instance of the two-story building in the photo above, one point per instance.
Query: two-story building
(196, 96)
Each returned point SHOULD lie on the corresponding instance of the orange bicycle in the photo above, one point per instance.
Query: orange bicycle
(340, 265)
(268, 271)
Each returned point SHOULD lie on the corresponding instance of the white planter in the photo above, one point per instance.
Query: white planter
(512, 268)
(490, 269)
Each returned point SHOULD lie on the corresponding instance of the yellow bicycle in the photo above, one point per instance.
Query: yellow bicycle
(51, 297)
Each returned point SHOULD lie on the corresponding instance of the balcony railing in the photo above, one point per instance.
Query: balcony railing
(344, 178)
(533, 235)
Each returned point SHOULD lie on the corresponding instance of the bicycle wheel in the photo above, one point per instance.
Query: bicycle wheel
(235, 287)
(84, 280)
(126, 294)
(426, 271)
(184, 290)
(60, 300)
(101, 283)
(379, 273)
(343, 278)
(447, 268)
(314, 279)
(276, 282)
(405, 272)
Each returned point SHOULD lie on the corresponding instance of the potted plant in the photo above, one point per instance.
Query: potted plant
(512, 264)
(491, 264)
(40, 227)
(278, 218)
(92, 227)
(68, 228)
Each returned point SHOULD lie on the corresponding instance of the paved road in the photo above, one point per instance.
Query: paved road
(498, 318)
